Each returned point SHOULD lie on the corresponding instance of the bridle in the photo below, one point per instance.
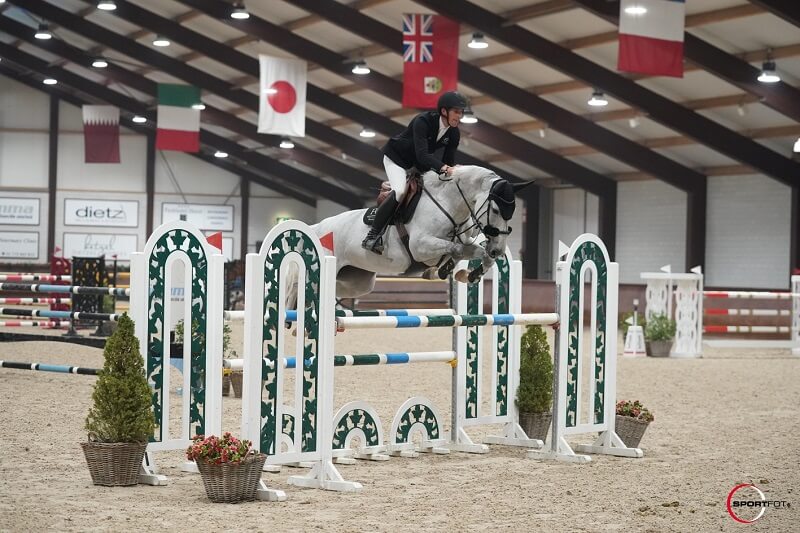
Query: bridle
(487, 229)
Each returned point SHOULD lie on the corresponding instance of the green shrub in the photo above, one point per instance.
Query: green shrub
(535, 392)
(660, 328)
(122, 409)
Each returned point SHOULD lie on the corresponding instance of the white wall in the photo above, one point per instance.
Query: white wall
(651, 228)
(575, 212)
(327, 208)
(266, 206)
(748, 232)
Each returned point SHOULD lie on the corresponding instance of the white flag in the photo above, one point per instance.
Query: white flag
(282, 96)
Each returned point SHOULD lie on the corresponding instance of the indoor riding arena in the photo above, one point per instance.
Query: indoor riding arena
(573, 306)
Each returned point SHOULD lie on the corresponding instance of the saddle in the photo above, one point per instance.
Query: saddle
(406, 208)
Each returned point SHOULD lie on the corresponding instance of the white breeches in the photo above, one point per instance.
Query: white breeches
(397, 177)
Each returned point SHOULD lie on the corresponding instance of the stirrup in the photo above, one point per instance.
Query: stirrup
(373, 244)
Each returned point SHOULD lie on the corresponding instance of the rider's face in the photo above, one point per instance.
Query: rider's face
(453, 116)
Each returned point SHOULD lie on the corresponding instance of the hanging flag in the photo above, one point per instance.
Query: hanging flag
(282, 98)
(430, 59)
(651, 37)
(101, 134)
(178, 123)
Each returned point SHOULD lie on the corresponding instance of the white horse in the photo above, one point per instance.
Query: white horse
(451, 214)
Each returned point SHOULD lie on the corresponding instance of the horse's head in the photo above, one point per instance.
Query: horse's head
(493, 213)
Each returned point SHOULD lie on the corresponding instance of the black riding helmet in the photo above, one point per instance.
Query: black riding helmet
(452, 99)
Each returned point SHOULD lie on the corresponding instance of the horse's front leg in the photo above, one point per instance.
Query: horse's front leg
(430, 248)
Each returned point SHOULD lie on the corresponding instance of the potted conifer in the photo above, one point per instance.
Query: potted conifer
(535, 391)
(121, 420)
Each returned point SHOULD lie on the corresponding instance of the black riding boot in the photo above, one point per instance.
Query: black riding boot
(373, 241)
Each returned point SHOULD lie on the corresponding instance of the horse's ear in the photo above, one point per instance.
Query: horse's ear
(519, 186)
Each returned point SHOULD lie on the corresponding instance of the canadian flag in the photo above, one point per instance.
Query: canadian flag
(282, 96)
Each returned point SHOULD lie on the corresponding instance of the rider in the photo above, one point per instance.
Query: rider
(415, 147)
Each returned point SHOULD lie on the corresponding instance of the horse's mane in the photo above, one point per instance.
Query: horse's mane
(432, 178)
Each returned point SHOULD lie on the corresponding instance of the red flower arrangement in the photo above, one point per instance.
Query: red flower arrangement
(634, 409)
(214, 450)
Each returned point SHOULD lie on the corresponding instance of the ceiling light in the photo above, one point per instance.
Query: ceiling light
(139, 119)
(99, 63)
(160, 41)
(106, 5)
(768, 72)
(49, 81)
(478, 41)
(542, 132)
(797, 146)
(366, 132)
(636, 10)
(43, 32)
(598, 99)
(287, 144)
(469, 117)
(741, 109)
(239, 12)
(361, 68)
(220, 154)
(634, 122)
(199, 106)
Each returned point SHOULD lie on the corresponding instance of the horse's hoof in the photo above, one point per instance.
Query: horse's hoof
(462, 276)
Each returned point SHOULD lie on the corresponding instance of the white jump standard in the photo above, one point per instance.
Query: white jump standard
(307, 431)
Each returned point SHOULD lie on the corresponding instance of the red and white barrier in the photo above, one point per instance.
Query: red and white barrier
(689, 314)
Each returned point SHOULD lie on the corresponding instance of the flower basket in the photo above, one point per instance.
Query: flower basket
(236, 381)
(114, 464)
(536, 425)
(232, 482)
(630, 430)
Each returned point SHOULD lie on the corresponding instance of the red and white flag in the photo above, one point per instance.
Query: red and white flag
(282, 96)
(651, 37)
(101, 134)
(430, 59)
(178, 122)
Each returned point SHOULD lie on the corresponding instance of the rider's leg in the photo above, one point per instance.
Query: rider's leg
(397, 179)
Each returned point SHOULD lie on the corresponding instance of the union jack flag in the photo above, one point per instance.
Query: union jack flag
(417, 38)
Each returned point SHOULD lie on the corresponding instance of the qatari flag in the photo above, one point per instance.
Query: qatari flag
(101, 133)
(651, 37)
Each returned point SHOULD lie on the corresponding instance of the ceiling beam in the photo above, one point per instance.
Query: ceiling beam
(486, 134)
(780, 96)
(276, 168)
(659, 108)
(697, 19)
(677, 140)
(788, 10)
(311, 158)
(560, 119)
(144, 129)
(245, 63)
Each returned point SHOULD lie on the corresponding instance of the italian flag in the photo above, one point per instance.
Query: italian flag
(178, 123)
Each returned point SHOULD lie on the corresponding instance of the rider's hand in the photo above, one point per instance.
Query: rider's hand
(448, 170)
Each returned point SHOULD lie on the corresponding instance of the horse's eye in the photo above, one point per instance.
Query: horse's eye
(495, 211)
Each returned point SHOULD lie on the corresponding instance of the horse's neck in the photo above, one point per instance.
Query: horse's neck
(447, 196)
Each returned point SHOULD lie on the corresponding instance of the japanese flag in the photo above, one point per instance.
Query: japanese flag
(282, 96)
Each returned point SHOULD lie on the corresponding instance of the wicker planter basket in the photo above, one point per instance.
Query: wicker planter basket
(232, 482)
(536, 425)
(236, 381)
(630, 430)
(114, 464)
